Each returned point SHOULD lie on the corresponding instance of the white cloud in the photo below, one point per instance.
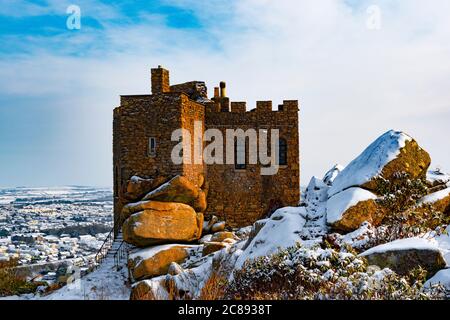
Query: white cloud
(353, 83)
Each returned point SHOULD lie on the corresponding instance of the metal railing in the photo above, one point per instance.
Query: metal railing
(106, 247)
(121, 254)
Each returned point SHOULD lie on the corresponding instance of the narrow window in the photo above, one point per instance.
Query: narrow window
(151, 147)
(116, 182)
(239, 155)
(282, 159)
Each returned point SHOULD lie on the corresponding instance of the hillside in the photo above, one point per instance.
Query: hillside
(376, 229)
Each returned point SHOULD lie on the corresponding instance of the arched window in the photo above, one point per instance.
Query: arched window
(282, 157)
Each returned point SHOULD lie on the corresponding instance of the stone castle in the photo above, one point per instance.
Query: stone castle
(237, 193)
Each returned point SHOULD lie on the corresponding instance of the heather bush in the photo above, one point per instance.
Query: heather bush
(324, 273)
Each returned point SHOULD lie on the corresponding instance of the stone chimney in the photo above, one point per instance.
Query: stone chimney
(160, 80)
(223, 90)
(216, 93)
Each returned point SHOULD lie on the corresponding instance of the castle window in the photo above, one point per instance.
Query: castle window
(239, 155)
(116, 182)
(151, 147)
(282, 158)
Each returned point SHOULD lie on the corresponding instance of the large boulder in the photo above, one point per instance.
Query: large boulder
(162, 222)
(210, 247)
(218, 226)
(222, 235)
(347, 210)
(391, 153)
(404, 255)
(155, 261)
(138, 187)
(281, 231)
(178, 189)
(439, 201)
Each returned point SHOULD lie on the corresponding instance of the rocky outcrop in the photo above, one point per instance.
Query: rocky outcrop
(155, 261)
(391, 153)
(347, 210)
(163, 223)
(353, 195)
(402, 256)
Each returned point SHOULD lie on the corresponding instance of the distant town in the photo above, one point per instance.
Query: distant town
(43, 229)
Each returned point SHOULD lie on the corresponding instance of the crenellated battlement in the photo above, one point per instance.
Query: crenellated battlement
(288, 106)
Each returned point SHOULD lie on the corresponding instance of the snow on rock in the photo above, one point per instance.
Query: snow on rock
(443, 243)
(441, 278)
(191, 281)
(402, 256)
(155, 261)
(404, 244)
(436, 177)
(358, 238)
(435, 197)
(371, 162)
(313, 190)
(338, 204)
(316, 196)
(280, 231)
(144, 254)
(332, 174)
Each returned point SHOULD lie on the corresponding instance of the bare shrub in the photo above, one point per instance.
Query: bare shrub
(214, 287)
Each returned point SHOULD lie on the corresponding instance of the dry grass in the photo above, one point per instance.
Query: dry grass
(140, 293)
(11, 283)
(214, 288)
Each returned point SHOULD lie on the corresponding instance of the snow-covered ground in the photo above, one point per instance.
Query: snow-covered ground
(105, 283)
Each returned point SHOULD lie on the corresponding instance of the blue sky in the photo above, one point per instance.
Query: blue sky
(58, 86)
